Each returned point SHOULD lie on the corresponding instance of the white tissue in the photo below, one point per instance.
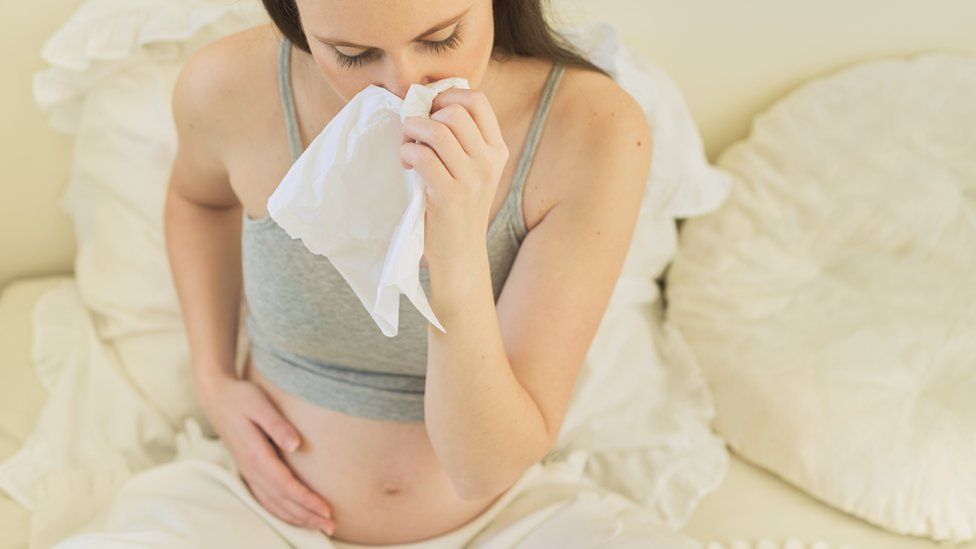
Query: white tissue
(348, 198)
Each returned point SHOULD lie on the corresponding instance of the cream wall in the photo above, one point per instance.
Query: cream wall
(731, 58)
(35, 237)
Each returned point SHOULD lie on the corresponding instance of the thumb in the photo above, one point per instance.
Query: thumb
(279, 429)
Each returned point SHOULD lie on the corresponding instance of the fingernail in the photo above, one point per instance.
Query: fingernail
(291, 444)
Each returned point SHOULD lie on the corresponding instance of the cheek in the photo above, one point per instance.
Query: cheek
(469, 61)
(345, 83)
(473, 59)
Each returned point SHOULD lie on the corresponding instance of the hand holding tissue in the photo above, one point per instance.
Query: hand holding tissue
(347, 197)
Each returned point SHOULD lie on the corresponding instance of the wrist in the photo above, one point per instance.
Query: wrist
(456, 282)
(208, 381)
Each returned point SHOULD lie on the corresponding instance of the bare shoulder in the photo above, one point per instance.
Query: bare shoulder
(592, 111)
(215, 86)
(599, 134)
(218, 78)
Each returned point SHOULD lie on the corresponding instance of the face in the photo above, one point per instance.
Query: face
(396, 43)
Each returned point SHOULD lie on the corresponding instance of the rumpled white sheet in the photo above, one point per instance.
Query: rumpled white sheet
(111, 349)
(348, 198)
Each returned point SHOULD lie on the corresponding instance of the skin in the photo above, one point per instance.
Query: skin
(500, 379)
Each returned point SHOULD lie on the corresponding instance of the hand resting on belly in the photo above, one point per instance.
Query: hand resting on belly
(382, 479)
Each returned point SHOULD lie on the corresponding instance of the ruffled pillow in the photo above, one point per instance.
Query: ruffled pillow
(831, 301)
(104, 37)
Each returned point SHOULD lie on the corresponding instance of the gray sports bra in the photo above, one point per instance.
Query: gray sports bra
(309, 333)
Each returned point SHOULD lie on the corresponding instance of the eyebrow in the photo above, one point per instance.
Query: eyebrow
(435, 28)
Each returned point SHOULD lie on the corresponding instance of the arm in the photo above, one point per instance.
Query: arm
(500, 379)
(202, 227)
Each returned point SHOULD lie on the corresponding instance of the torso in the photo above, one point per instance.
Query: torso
(371, 472)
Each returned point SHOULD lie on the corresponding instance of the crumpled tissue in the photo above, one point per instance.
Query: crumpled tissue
(348, 198)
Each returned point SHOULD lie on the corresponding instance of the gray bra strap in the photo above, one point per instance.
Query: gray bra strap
(287, 98)
(535, 130)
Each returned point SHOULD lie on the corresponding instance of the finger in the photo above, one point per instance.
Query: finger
(477, 105)
(272, 506)
(302, 495)
(281, 476)
(467, 133)
(425, 161)
(279, 429)
(306, 518)
(285, 509)
(441, 139)
(269, 466)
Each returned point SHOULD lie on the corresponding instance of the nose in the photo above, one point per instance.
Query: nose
(399, 74)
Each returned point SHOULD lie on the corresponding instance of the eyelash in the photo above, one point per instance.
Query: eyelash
(351, 61)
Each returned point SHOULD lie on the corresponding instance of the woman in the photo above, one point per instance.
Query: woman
(406, 438)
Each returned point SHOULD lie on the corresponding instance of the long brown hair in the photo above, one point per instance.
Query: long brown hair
(520, 29)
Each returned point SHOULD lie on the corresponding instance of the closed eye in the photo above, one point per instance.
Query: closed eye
(353, 61)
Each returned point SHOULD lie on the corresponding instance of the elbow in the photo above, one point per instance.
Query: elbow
(499, 480)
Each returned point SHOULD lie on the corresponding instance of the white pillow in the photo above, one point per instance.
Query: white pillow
(831, 300)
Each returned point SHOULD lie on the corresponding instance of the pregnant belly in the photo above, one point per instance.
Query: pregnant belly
(382, 479)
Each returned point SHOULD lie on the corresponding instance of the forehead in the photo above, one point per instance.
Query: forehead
(375, 22)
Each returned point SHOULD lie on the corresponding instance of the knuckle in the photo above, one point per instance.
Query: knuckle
(280, 473)
(425, 156)
(269, 470)
(407, 151)
(479, 97)
(442, 132)
(246, 472)
(454, 112)
(414, 153)
(249, 457)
